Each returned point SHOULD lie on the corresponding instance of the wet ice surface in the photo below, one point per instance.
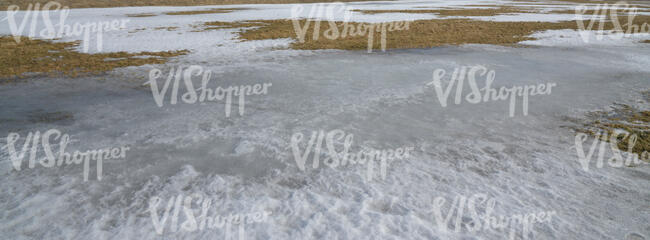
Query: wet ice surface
(245, 163)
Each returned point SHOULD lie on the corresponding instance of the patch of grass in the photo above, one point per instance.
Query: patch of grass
(499, 10)
(645, 41)
(138, 3)
(224, 25)
(621, 118)
(534, 3)
(592, 1)
(573, 11)
(420, 34)
(593, 12)
(569, 2)
(137, 30)
(209, 11)
(166, 28)
(141, 15)
(574, 1)
(40, 57)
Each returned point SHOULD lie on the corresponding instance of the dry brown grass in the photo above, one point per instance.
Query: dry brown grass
(494, 11)
(137, 30)
(594, 12)
(646, 41)
(421, 33)
(135, 3)
(40, 57)
(209, 11)
(621, 117)
(610, 2)
(223, 25)
(573, 11)
(536, 3)
(141, 15)
(577, 1)
(166, 28)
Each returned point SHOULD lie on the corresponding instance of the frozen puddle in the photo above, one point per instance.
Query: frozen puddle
(245, 162)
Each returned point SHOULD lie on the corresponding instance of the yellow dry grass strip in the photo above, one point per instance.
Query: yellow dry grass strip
(573, 11)
(141, 15)
(420, 34)
(209, 11)
(590, 2)
(138, 3)
(607, 11)
(535, 4)
(593, 1)
(40, 57)
(572, 1)
(137, 30)
(166, 28)
(645, 41)
(223, 25)
(499, 10)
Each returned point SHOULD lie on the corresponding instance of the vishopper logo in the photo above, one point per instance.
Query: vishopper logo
(616, 159)
(62, 29)
(52, 160)
(193, 222)
(205, 93)
(334, 158)
(600, 15)
(328, 12)
(486, 93)
(484, 220)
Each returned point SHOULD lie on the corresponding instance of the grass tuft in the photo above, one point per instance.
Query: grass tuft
(621, 118)
(33, 57)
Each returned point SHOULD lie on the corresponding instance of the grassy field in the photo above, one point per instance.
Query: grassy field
(420, 34)
(42, 57)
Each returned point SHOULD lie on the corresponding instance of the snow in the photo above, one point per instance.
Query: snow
(245, 164)
(566, 38)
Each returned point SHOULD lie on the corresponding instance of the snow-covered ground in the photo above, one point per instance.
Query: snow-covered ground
(245, 164)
